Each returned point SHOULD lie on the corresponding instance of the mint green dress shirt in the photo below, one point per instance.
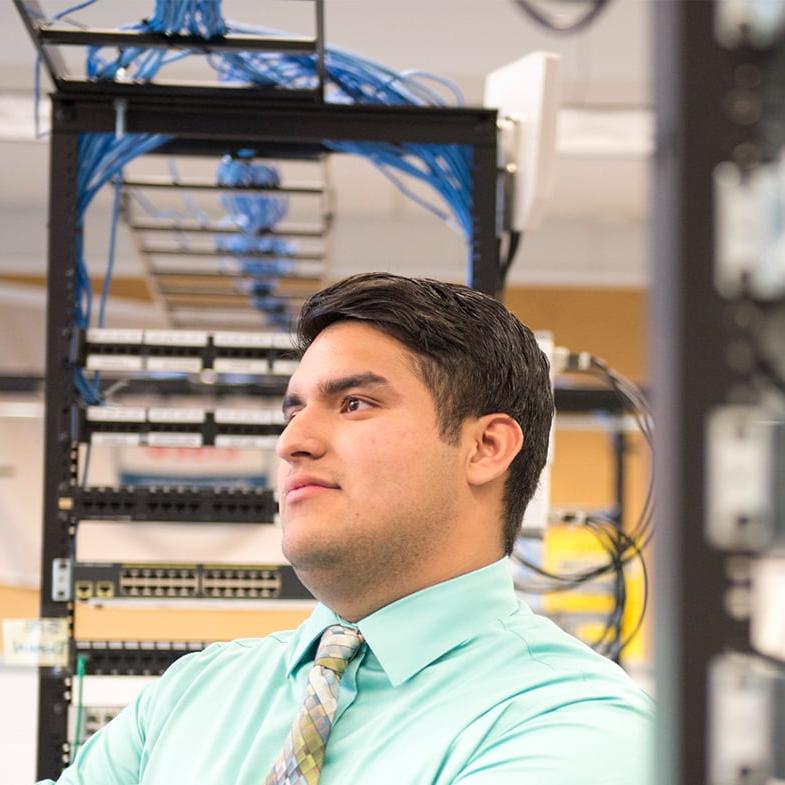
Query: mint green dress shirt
(457, 684)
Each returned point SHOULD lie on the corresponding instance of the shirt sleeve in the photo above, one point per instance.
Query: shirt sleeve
(589, 743)
(115, 754)
(112, 755)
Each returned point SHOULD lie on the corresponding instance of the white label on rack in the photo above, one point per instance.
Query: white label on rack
(109, 439)
(175, 337)
(113, 362)
(234, 365)
(161, 414)
(230, 441)
(42, 642)
(242, 340)
(111, 335)
(245, 416)
(284, 367)
(165, 439)
(174, 364)
(283, 341)
(115, 414)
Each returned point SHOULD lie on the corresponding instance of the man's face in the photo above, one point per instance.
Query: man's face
(365, 481)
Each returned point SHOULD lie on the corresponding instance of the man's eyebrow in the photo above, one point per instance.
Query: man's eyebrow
(333, 387)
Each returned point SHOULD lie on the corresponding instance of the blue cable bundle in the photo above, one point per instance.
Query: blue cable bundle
(350, 79)
(251, 213)
(240, 244)
(245, 247)
(261, 268)
(101, 160)
(278, 312)
(200, 18)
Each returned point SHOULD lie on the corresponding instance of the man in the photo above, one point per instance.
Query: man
(418, 425)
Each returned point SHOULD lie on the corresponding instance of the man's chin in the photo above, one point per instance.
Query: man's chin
(308, 553)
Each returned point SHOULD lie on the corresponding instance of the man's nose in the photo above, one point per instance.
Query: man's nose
(303, 437)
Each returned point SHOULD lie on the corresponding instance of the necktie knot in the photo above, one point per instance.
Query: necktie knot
(337, 647)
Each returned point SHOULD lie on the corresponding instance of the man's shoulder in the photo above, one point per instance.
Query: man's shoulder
(556, 700)
(237, 653)
(238, 648)
(551, 666)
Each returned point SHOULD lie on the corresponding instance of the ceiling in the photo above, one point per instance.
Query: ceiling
(595, 229)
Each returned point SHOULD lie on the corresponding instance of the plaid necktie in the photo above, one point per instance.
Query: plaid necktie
(300, 760)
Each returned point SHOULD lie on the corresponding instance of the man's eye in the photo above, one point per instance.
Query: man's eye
(354, 404)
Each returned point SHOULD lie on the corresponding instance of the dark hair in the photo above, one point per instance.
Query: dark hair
(473, 355)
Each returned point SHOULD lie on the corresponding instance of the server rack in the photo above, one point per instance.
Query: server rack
(209, 121)
(717, 101)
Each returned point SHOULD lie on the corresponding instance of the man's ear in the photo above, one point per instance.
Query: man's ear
(495, 440)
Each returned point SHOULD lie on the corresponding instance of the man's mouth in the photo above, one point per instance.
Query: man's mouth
(305, 486)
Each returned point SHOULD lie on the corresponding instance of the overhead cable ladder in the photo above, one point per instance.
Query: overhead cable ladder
(200, 266)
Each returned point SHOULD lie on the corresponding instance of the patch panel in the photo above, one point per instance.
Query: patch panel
(188, 351)
(180, 427)
(165, 503)
(132, 658)
(114, 580)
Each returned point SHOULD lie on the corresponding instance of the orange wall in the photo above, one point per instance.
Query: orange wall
(610, 323)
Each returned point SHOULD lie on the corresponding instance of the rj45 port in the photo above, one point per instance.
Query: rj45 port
(83, 590)
(104, 590)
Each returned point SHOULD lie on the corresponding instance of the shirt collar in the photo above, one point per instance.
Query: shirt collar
(410, 633)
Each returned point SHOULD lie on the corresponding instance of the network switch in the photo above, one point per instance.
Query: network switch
(106, 581)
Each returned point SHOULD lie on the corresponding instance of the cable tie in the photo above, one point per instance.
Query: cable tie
(120, 106)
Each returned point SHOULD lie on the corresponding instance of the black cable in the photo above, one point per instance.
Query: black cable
(546, 21)
(514, 239)
(644, 604)
(621, 550)
(512, 250)
(613, 622)
(632, 399)
(621, 546)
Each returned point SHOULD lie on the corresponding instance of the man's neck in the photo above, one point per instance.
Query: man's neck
(355, 602)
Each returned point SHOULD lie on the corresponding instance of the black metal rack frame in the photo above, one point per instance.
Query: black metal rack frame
(714, 103)
(218, 123)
